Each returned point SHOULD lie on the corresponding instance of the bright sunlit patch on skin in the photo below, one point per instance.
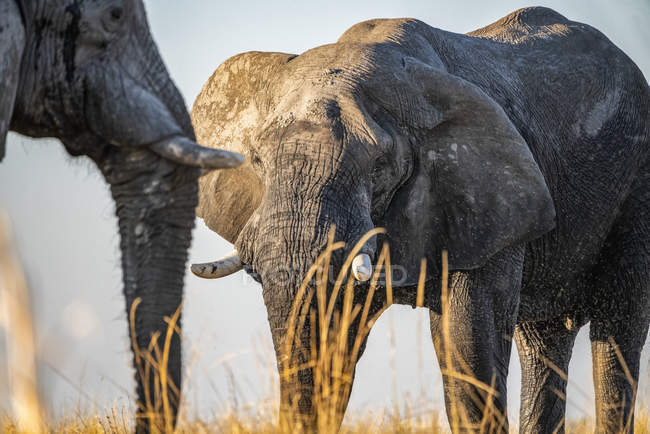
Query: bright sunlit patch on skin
(79, 319)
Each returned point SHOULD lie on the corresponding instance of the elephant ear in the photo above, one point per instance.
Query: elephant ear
(12, 43)
(476, 188)
(226, 114)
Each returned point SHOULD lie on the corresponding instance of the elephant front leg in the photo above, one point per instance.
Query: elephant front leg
(544, 351)
(619, 324)
(472, 336)
(616, 351)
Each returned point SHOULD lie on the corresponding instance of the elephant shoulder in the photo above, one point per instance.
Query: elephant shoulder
(513, 28)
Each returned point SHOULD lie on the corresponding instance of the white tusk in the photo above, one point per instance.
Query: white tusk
(184, 151)
(362, 267)
(223, 267)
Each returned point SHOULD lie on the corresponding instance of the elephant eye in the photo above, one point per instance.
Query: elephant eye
(110, 25)
(116, 14)
(380, 166)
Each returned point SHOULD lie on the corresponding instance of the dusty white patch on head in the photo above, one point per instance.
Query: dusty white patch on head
(248, 116)
(597, 115)
(454, 147)
(139, 229)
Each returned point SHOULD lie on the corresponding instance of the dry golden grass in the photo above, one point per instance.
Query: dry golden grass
(119, 421)
(332, 361)
(16, 318)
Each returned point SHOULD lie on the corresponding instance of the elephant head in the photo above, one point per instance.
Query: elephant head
(89, 73)
(360, 134)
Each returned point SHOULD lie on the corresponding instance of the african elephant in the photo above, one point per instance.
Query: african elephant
(520, 148)
(88, 72)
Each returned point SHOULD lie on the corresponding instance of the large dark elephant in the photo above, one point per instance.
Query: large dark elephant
(520, 148)
(88, 72)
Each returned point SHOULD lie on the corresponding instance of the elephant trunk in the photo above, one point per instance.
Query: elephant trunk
(155, 201)
(151, 161)
(282, 252)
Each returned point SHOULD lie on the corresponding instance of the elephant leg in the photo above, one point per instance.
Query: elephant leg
(616, 350)
(474, 351)
(619, 325)
(544, 352)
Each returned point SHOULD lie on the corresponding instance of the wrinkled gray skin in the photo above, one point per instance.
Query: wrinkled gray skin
(522, 148)
(88, 72)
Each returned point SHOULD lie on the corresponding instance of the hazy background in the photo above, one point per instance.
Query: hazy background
(66, 232)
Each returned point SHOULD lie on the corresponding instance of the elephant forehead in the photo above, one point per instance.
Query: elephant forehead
(357, 75)
(325, 125)
(344, 65)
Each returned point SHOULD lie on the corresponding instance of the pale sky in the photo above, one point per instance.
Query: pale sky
(67, 237)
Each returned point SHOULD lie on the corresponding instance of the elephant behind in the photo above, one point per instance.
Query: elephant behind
(520, 148)
(88, 73)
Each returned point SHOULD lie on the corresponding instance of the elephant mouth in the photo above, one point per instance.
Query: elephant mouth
(359, 261)
(252, 272)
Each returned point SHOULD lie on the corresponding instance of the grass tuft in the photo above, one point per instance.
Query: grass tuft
(328, 312)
